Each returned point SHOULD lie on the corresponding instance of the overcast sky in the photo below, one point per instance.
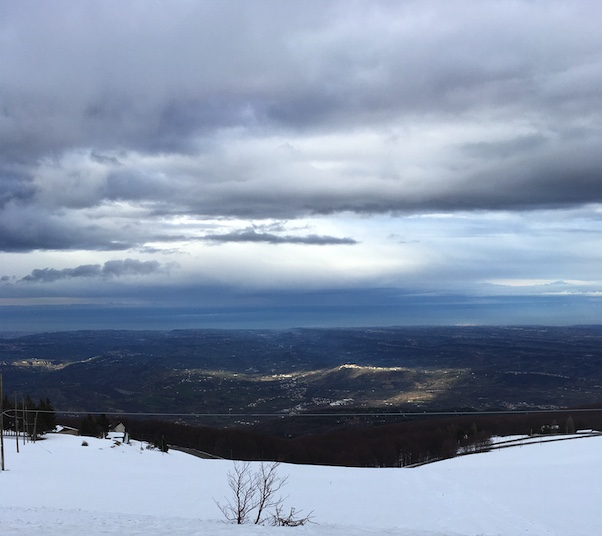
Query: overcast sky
(297, 161)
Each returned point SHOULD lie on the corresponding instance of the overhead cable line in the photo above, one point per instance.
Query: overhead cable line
(402, 414)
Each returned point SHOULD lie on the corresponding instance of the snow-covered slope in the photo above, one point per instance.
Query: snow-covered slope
(59, 487)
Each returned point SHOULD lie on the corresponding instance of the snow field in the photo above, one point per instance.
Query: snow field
(57, 486)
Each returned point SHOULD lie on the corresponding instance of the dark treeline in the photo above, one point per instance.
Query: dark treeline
(431, 438)
(391, 445)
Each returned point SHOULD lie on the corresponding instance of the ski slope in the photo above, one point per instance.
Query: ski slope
(59, 487)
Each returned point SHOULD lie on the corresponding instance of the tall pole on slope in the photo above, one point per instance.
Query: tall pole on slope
(17, 422)
(1, 425)
(26, 422)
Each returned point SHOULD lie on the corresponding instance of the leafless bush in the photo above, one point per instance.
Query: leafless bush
(292, 519)
(255, 497)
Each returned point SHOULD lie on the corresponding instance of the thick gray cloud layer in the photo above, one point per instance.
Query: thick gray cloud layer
(115, 117)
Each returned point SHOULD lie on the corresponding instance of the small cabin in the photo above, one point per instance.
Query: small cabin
(119, 432)
(66, 430)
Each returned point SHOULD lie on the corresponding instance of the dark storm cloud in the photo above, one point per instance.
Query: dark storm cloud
(102, 104)
(299, 66)
(48, 275)
(566, 173)
(116, 268)
(506, 148)
(129, 267)
(134, 185)
(15, 187)
(26, 228)
(250, 235)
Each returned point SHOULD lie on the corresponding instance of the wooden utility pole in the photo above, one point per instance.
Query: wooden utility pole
(25, 423)
(35, 427)
(1, 425)
(17, 422)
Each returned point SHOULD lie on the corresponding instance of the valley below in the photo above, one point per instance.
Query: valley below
(233, 377)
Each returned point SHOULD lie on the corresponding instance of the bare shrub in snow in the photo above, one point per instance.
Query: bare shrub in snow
(292, 519)
(255, 497)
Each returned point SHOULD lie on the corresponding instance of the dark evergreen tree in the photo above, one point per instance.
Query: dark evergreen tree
(161, 444)
(94, 426)
(46, 417)
(102, 426)
(87, 426)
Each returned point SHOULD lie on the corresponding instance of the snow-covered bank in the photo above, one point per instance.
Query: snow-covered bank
(58, 486)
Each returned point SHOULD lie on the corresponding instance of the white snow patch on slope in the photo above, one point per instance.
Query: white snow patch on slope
(59, 487)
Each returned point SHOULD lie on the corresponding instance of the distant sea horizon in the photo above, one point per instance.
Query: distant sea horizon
(411, 311)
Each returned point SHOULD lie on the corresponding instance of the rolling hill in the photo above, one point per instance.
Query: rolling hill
(301, 370)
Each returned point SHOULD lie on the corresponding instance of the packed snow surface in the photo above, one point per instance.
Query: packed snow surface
(60, 487)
